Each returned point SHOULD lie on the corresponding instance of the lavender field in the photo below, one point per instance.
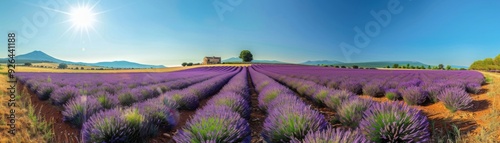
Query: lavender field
(221, 104)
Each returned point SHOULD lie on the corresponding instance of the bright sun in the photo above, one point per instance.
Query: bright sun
(82, 17)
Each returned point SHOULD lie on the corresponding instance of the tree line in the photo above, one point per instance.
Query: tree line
(486, 64)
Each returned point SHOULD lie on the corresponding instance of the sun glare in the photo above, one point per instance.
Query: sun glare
(82, 17)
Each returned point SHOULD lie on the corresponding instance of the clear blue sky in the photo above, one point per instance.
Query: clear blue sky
(168, 32)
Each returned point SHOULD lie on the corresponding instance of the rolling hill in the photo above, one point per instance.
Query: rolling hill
(321, 62)
(39, 56)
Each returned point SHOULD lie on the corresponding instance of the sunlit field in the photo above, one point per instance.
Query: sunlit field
(267, 103)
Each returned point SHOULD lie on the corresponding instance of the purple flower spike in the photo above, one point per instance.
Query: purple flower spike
(394, 122)
(455, 98)
(62, 95)
(291, 121)
(414, 95)
(333, 135)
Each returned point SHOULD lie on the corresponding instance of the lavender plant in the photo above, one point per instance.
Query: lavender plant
(352, 86)
(394, 122)
(44, 90)
(473, 88)
(433, 92)
(392, 94)
(455, 98)
(414, 95)
(215, 123)
(115, 125)
(338, 96)
(79, 109)
(127, 98)
(234, 101)
(61, 95)
(351, 111)
(333, 135)
(373, 88)
(291, 121)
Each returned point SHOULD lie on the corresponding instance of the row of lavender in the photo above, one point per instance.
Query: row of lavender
(362, 119)
(124, 98)
(288, 117)
(224, 118)
(414, 87)
(144, 119)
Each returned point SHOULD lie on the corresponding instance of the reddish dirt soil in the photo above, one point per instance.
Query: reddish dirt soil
(64, 132)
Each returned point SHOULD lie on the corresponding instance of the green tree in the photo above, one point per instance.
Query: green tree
(395, 66)
(496, 60)
(184, 64)
(441, 66)
(62, 66)
(27, 64)
(429, 67)
(448, 67)
(388, 67)
(408, 65)
(189, 64)
(246, 56)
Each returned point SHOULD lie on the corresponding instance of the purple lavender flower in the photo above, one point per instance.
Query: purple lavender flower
(333, 135)
(143, 93)
(45, 90)
(159, 115)
(307, 88)
(183, 99)
(334, 100)
(115, 125)
(79, 109)
(232, 100)
(394, 122)
(61, 95)
(270, 93)
(215, 123)
(284, 99)
(334, 84)
(392, 94)
(352, 86)
(455, 98)
(351, 111)
(106, 100)
(414, 95)
(127, 98)
(291, 121)
(321, 94)
(373, 88)
(433, 92)
(473, 88)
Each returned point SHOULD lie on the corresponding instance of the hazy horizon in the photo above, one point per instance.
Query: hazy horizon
(173, 31)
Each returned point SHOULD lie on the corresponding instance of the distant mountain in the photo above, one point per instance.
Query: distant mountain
(235, 59)
(321, 62)
(39, 56)
(125, 64)
(381, 64)
(376, 64)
